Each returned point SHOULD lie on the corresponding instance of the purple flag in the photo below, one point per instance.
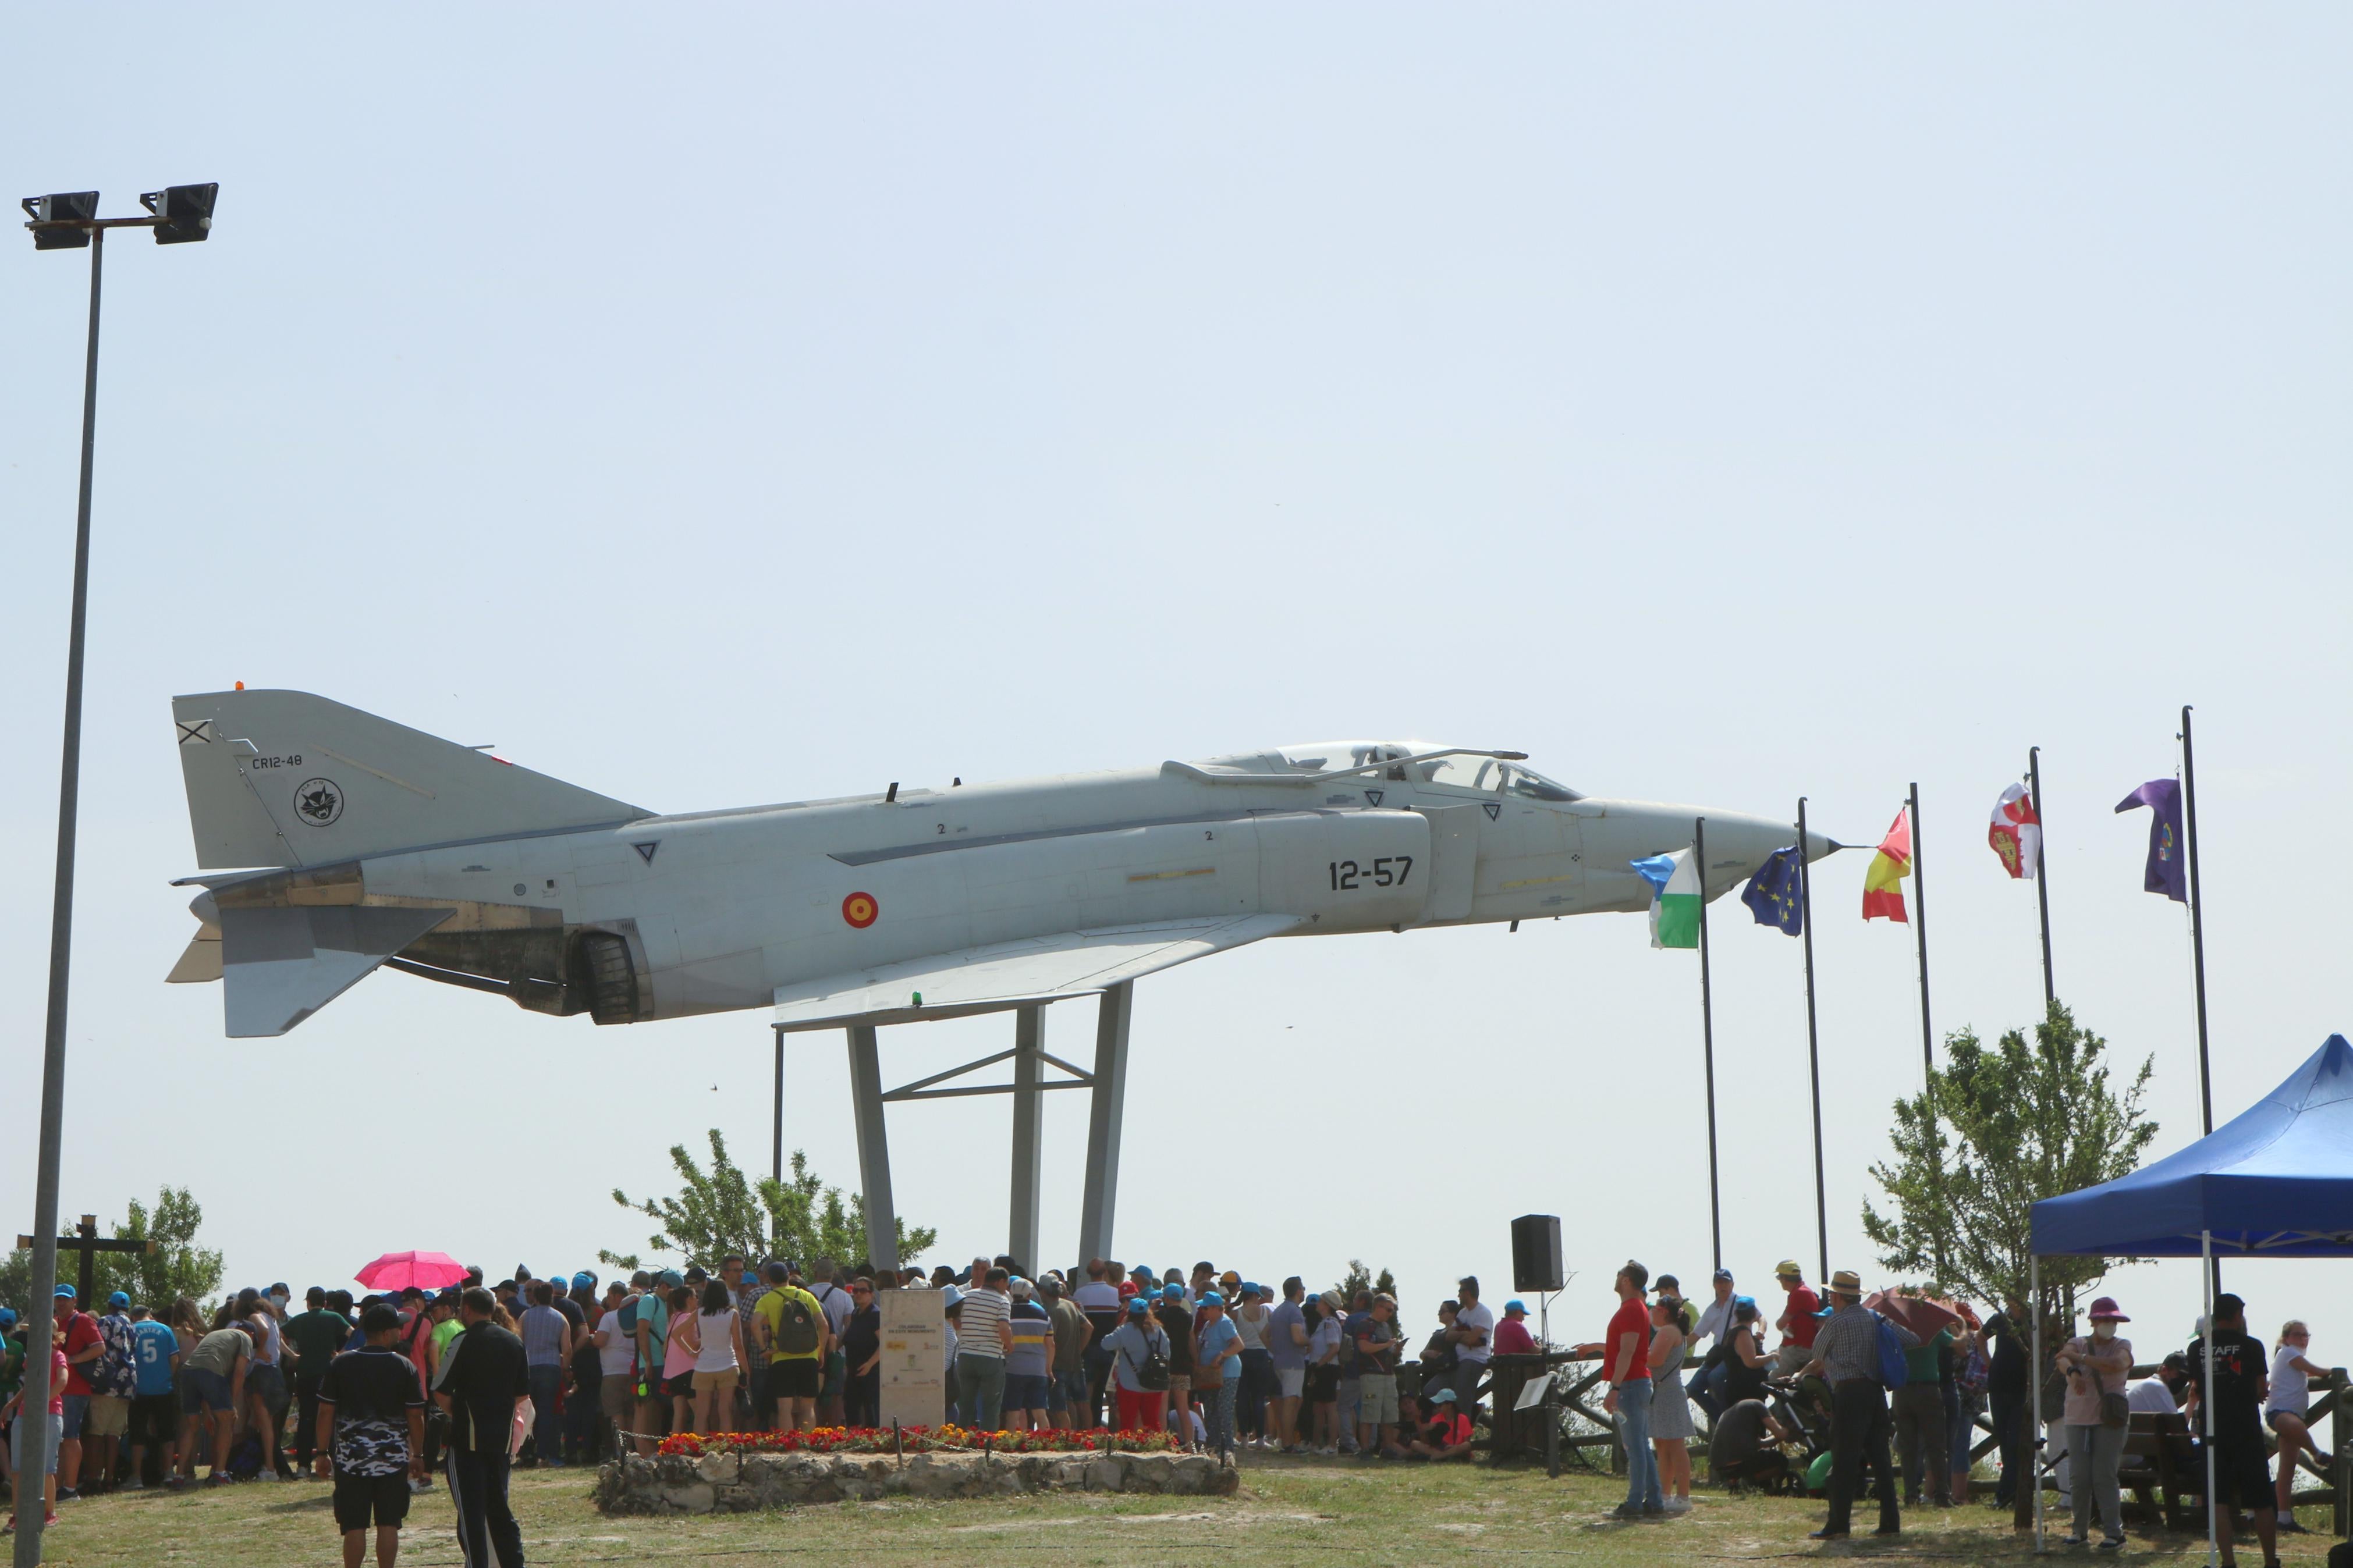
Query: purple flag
(2165, 874)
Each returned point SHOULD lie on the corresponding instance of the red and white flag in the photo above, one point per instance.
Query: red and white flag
(2017, 833)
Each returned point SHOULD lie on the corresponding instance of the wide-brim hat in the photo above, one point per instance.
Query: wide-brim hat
(2106, 1310)
(1847, 1282)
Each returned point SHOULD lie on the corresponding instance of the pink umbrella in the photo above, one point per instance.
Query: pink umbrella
(398, 1270)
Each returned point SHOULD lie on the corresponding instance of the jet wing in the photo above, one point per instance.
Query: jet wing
(1013, 974)
(282, 965)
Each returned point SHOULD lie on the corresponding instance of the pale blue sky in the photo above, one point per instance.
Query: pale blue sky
(1719, 402)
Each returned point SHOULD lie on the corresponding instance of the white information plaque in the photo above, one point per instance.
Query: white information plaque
(915, 1357)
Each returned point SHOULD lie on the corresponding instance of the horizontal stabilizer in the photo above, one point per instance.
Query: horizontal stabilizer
(282, 965)
(1013, 974)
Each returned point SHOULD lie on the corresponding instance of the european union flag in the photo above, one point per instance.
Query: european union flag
(1774, 894)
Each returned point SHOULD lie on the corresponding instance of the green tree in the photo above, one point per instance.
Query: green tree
(1359, 1277)
(2020, 1123)
(178, 1267)
(722, 1211)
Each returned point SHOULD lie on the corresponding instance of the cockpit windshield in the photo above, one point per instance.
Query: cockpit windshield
(1493, 775)
(1487, 775)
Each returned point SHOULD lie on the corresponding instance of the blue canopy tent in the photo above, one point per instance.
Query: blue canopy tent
(2274, 1181)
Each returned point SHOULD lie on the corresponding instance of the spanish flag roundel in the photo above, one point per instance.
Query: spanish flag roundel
(859, 909)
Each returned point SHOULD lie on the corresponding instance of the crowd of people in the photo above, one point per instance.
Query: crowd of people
(1831, 1369)
(1222, 1362)
(465, 1381)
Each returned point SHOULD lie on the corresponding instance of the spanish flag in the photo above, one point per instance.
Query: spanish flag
(1882, 885)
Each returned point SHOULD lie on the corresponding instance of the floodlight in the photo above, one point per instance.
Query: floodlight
(186, 211)
(61, 207)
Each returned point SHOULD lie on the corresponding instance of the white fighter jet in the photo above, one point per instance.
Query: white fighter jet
(332, 842)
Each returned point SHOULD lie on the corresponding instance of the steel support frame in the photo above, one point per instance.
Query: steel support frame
(873, 1148)
(1101, 1196)
(1029, 1057)
(1029, 1105)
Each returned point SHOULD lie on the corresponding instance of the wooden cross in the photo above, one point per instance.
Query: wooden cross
(89, 1244)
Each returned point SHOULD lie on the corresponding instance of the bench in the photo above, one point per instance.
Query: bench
(2161, 1459)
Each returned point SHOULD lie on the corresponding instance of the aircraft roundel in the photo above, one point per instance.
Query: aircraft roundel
(859, 909)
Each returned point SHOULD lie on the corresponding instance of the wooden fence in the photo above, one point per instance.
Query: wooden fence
(1536, 1433)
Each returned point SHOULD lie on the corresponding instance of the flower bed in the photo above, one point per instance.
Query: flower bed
(917, 1440)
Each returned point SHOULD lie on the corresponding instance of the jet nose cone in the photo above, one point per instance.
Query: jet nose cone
(1818, 845)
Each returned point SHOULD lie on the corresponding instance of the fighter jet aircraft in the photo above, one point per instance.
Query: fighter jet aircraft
(332, 842)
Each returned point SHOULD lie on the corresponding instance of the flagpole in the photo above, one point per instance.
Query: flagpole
(1813, 1047)
(2197, 964)
(2197, 916)
(1707, 1039)
(1928, 1035)
(2041, 870)
(1920, 930)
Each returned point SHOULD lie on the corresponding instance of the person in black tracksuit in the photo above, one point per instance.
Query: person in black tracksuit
(481, 1377)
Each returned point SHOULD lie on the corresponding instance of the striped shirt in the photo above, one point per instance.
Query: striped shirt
(544, 1331)
(1848, 1343)
(976, 1321)
(1030, 1326)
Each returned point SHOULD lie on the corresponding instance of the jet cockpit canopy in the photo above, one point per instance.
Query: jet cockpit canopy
(1447, 770)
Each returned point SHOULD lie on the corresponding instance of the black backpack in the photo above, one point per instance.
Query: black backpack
(1153, 1374)
(796, 1333)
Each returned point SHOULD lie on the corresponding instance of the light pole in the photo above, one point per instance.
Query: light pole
(69, 221)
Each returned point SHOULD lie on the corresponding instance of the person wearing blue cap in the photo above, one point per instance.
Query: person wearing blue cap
(1217, 1367)
(1512, 1336)
(83, 1347)
(113, 1375)
(1139, 1367)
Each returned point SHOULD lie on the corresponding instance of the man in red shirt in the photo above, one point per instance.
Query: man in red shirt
(84, 1345)
(1797, 1323)
(1625, 1354)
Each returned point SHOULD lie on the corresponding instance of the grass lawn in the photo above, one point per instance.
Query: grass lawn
(1288, 1511)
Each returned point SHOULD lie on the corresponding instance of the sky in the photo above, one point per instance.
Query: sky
(1722, 404)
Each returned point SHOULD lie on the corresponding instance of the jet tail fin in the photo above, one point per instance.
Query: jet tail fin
(281, 966)
(284, 778)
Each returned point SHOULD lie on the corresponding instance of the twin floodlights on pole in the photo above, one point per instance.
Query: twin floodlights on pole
(68, 220)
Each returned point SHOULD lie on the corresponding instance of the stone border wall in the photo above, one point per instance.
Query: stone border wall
(744, 1483)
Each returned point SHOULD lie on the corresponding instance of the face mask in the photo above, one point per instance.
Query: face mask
(2103, 1330)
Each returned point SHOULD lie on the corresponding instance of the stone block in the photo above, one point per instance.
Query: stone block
(923, 1478)
(1191, 1473)
(696, 1497)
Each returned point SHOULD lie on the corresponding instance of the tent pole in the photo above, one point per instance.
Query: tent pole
(2033, 1476)
(2206, 1395)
